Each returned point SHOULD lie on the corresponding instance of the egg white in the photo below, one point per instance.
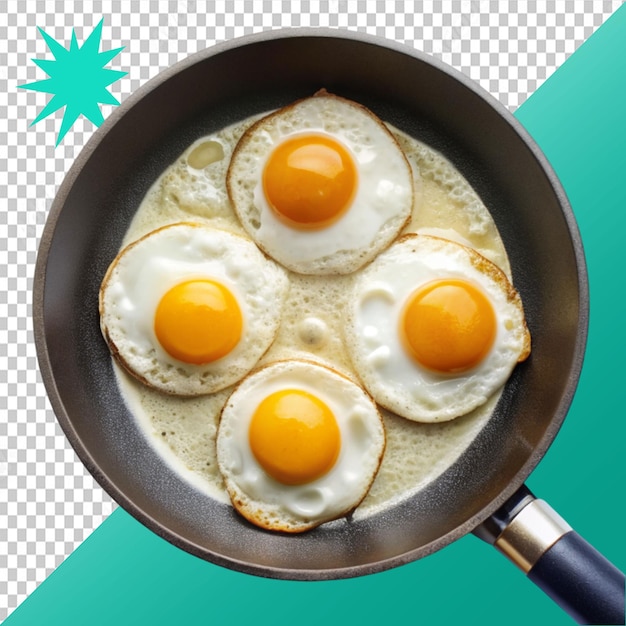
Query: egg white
(381, 205)
(294, 508)
(145, 270)
(392, 377)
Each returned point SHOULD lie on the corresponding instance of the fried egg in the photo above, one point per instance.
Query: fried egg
(189, 309)
(298, 444)
(183, 429)
(321, 185)
(434, 328)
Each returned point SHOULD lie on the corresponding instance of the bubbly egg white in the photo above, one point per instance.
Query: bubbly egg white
(183, 430)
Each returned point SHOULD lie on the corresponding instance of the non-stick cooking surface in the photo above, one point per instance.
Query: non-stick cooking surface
(233, 81)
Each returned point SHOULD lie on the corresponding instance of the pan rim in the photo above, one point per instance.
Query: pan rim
(82, 451)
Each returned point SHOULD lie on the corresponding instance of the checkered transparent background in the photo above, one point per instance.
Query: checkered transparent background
(48, 502)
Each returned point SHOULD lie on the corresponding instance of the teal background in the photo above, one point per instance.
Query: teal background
(124, 574)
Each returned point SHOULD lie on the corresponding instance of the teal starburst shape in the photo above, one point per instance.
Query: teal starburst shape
(77, 80)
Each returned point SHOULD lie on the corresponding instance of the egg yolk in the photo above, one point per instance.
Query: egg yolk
(294, 436)
(448, 325)
(309, 181)
(198, 321)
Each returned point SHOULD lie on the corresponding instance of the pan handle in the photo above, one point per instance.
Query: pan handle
(557, 559)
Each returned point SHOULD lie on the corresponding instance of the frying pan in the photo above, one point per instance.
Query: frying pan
(483, 491)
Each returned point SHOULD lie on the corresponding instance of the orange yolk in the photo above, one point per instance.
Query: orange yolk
(198, 321)
(294, 436)
(448, 326)
(309, 181)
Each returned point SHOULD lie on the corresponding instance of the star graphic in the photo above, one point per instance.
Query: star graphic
(77, 80)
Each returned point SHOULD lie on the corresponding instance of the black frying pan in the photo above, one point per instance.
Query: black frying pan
(483, 491)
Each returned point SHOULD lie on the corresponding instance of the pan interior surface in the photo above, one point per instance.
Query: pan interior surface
(231, 82)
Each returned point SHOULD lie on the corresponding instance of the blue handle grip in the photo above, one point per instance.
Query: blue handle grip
(580, 580)
(557, 559)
